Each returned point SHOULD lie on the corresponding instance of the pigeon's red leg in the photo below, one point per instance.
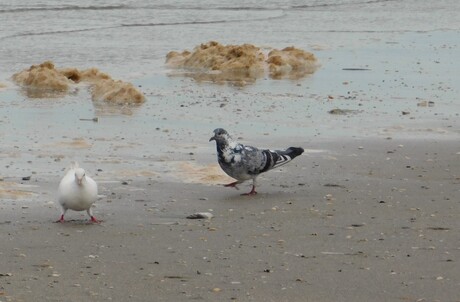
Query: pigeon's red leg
(232, 185)
(93, 219)
(61, 220)
(253, 191)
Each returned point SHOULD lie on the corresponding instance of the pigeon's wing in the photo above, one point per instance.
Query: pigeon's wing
(241, 162)
(91, 187)
(253, 159)
(256, 161)
(66, 182)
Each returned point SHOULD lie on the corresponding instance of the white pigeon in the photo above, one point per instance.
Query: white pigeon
(246, 162)
(77, 192)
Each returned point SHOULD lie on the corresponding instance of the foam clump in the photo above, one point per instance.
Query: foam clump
(215, 56)
(93, 75)
(117, 92)
(104, 88)
(225, 62)
(218, 62)
(45, 77)
(291, 62)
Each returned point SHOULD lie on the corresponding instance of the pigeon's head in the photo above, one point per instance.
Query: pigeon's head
(79, 176)
(220, 136)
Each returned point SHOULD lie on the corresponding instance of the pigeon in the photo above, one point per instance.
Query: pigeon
(77, 192)
(246, 162)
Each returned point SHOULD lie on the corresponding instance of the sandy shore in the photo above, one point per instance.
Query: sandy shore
(362, 220)
(370, 212)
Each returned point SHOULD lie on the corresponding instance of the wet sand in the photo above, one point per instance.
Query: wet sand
(369, 219)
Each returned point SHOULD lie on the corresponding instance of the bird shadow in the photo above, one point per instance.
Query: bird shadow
(74, 222)
(238, 197)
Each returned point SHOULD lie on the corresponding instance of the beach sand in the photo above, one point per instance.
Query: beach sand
(357, 220)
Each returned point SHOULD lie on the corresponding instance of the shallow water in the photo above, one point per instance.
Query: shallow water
(408, 50)
(131, 38)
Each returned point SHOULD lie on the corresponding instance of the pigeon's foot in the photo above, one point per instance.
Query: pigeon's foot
(60, 220)
(232, 185)
(253, 192)
(94, 220)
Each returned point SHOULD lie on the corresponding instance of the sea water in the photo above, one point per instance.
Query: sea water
(378, 59)
(131, 38)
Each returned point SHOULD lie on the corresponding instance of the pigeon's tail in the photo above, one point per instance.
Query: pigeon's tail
(292, 152)
(278, 158)
(73, 165)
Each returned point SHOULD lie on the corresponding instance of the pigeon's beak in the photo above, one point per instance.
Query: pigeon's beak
(212, 138)
(79, 181)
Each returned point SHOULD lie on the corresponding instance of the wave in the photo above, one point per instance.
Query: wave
(266, 7)
(22, 9)
(307, 6)
(56, 32)
(203, 22)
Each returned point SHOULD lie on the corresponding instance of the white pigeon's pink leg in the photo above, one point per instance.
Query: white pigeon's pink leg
(93, 219)
(61, 219)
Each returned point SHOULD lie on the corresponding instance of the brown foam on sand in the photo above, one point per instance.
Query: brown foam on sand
(216, 62)
(76, 143)
(244, 58)
(117, 92)
(208, 174)
(12, 190)
(219, 63)
(291, 62)
(45, 77)
(93, 75)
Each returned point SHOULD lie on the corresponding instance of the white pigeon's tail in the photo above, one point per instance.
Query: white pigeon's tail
(74, 165)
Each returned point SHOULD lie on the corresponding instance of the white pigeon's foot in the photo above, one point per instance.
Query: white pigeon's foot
(94, 220)
(61, 219)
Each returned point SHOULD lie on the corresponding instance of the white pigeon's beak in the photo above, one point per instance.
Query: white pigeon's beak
(80, 181)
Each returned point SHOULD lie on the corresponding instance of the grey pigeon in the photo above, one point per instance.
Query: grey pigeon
(246, 162)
